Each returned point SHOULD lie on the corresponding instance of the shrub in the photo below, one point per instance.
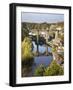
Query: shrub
(54, 69)
(40, 70)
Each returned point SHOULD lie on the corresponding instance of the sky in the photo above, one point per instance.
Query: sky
(41, 17)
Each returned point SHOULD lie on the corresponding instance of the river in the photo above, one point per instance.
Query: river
(45, 60)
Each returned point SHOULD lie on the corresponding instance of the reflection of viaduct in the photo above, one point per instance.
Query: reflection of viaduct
(45, 33)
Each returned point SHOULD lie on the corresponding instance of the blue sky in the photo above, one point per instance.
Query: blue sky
(41, 17)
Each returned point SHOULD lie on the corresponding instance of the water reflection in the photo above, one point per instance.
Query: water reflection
(29, 70)
(42, 48)
(45, 60)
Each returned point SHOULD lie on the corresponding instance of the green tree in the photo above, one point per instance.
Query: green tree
(54, 69)
(40, 70)
(25, 31)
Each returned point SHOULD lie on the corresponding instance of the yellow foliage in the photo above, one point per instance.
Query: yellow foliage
(26, 48)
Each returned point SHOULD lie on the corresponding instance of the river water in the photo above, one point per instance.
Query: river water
(45, 60)
(42, 48)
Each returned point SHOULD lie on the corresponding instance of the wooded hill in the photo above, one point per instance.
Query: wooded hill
(41, 26)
